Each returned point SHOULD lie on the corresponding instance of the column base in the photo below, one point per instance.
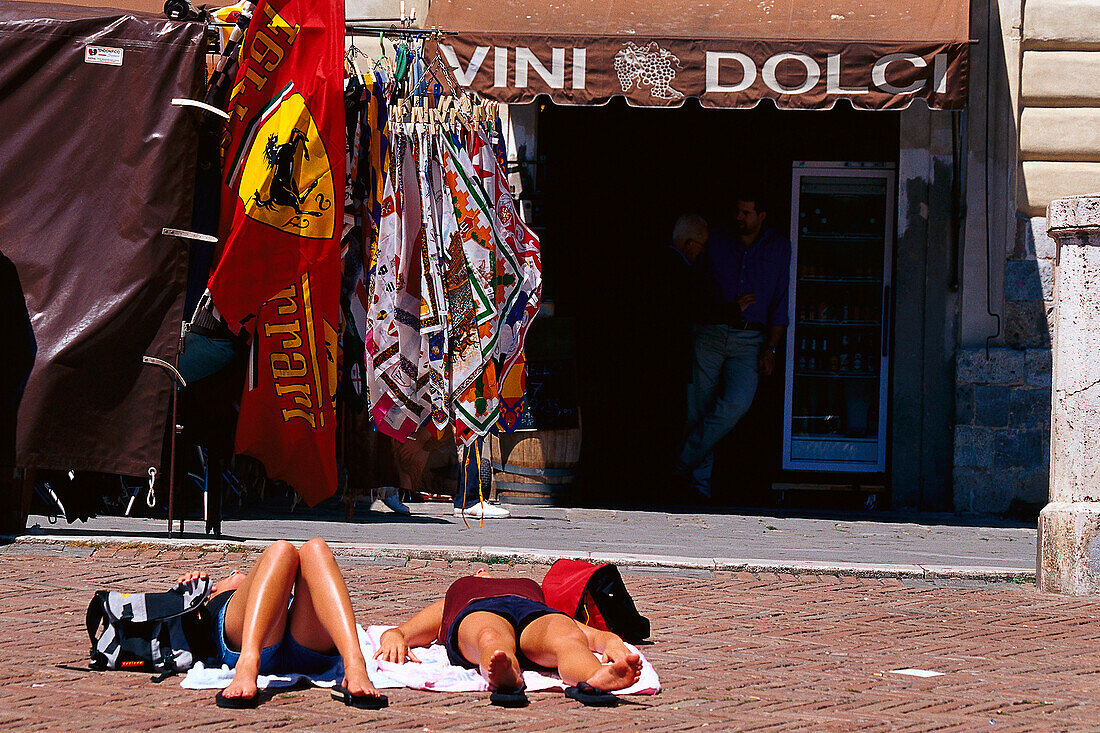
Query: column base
(1069, 548)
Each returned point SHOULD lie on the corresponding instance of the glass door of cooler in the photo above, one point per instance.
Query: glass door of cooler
(838, 340)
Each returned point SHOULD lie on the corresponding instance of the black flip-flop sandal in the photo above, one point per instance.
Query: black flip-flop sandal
(509, 698)
(363, 702)
(586, 694)
(237, 703)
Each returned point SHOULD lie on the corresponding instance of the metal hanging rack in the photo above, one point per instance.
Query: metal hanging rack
(356, 29)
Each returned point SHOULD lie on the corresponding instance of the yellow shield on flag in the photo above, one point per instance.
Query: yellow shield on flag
(286, 180)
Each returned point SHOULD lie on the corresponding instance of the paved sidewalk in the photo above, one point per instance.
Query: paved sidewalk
(923, 545)
(735, 651)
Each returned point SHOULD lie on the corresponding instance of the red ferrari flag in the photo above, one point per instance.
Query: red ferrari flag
(281, 214)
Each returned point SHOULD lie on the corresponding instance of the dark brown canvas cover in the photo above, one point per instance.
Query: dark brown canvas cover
(95, 161)
(803, 54)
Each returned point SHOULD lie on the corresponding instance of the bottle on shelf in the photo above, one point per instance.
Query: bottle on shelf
(802, 356)
(811, 360)
(801, 422)
(857, 354)
(824, 361)
(845, 358)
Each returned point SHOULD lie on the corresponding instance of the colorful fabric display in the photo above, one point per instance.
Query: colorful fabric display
(450, 276)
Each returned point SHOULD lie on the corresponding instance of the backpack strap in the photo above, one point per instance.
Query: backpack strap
(105, 647)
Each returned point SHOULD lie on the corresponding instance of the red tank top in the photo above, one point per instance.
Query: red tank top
(465, 591)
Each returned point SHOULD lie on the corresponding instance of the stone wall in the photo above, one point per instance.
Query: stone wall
(1059, 101)
(1002, 428)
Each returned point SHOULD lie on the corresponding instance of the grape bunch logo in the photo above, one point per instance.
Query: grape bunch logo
(650, 66)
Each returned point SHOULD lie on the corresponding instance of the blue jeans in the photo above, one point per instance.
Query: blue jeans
(724, 380)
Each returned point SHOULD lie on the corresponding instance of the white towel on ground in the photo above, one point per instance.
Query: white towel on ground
(434, 672)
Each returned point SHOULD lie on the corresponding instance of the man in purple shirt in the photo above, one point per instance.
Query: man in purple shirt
(739, 332)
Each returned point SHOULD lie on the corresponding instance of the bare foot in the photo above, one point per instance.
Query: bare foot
(503, 672)
(617, 675)
(358, 683)
(244, 680)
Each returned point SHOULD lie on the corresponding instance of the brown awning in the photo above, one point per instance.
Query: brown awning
(804, 54)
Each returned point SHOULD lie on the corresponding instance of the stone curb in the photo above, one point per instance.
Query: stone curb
(542, 557)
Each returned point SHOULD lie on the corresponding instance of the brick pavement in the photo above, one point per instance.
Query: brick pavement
(735, 651)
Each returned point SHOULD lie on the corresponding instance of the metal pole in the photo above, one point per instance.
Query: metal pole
(172, 463)
(177, 382)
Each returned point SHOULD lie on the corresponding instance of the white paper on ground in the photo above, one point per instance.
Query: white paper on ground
(434, 672)
(916, 672)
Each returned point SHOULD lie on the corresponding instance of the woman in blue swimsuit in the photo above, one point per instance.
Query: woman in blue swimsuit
(290, 613)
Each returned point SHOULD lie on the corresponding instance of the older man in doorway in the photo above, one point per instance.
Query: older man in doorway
(676, 283)
(739, 334)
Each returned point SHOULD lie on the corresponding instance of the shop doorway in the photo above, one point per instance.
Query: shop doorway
(611, 182)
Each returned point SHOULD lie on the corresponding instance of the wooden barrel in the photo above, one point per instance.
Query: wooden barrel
(535, 466)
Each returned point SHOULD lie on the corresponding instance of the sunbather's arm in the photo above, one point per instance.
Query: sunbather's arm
(421, 630)
(605, 643)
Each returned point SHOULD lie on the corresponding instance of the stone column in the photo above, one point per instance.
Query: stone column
(1069, 527)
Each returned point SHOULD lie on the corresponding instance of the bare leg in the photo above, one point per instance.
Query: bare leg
(411, 458)
(321, 618)
(557, 642)
(255, 616)
(489, 641)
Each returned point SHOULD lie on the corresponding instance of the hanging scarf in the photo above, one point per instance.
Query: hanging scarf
(519, 285)
(353, 314)
(471, 274)
(433, 303)
(393, 380)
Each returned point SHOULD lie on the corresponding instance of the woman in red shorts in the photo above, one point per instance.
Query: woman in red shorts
(498, 624)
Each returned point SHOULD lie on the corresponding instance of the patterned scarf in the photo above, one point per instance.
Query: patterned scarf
(470, 281)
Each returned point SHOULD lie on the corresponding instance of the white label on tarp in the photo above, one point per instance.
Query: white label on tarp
(103, 55)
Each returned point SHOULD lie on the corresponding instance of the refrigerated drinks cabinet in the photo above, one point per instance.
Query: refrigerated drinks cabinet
(838, 345)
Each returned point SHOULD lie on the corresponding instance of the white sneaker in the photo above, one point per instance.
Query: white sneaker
(483, 510)
(391, 498)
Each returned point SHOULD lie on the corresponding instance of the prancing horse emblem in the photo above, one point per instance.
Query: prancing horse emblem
(284, 189)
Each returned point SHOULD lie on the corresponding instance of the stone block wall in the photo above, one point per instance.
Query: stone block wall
(1002, 428)
(1029, 286)
(1059, 101)
(1002, 404)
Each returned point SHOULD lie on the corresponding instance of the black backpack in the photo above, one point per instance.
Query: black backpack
(163, 632)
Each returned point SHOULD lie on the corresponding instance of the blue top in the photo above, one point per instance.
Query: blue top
(763, 269)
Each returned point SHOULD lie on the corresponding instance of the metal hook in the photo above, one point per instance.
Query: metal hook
(151, 497)
(162, 363)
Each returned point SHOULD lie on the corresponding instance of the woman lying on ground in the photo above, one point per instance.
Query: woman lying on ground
(496, 624)
(290, 614)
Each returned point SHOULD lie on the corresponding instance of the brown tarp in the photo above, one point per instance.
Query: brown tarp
(803, 54)
(95, 161)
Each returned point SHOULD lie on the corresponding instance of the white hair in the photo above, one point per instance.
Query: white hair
(690, 226)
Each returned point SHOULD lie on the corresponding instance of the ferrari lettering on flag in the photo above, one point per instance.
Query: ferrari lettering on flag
(282, 200)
